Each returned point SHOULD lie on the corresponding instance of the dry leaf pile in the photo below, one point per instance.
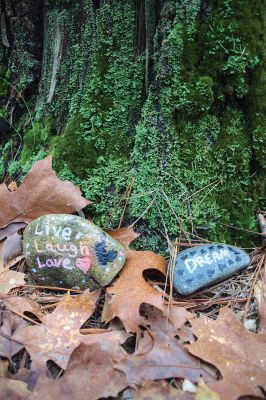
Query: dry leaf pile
(131, 340)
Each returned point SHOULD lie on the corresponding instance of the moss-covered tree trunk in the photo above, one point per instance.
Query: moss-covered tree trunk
(167, 95)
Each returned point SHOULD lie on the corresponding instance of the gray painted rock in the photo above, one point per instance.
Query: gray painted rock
(67, 251)
(204, 265)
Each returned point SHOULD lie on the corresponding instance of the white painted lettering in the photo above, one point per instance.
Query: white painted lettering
(49, 263)
(40, 233)
(57, 262)
(36, 247)
(84, 250)
(66, 233)
(40, 265)
(56, 231)
(200, 261)
(224, 253)
(207, 259)
(49, 247)
(216, 256)
(62, 248)
(72, 249)
(66, 264)
(190, 265)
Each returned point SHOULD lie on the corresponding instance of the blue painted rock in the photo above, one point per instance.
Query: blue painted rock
(205, 265)
(68, 251)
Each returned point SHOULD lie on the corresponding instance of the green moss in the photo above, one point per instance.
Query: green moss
(73, 149)
(97, 142)
(4, 78)
(194, 131)
(35, 139)
(187, 119)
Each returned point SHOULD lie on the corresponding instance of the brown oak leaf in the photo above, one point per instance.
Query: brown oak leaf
(13, 389)
(20, 305)
(10, 279)
(239, 354)
(171, 320)
(11, 228)
(90, 373)
(131, 290)
(12, 247)
(11, 324)
(41, 193)
(167, 359)
(159, 390)
(58, 335)
(13, 386)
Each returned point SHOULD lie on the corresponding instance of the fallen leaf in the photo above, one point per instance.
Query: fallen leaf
(167, 359)
(9, 280)
(13, 389)
(160, 390)
(90, 373)
(12, 247)
(40, 193)
(13, 186)
(205, 393)
(131, 290)
(4, 365)
(251, 325)
(14, 261)
(239, 354)
(169, 320)
(124, 235)
(10, 263)
(260, 296)
(11, 324)
(58, 335)
(25, 378)
(20, 305)
(188, 386)
(2, 243)
(30, 377)
(11, 228)
(177, 315)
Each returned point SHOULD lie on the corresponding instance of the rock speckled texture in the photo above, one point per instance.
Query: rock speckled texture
(69, 251)
(204, 265)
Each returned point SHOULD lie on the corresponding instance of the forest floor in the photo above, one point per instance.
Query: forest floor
(136, 338)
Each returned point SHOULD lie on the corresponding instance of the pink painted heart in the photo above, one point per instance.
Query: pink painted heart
(83, 264)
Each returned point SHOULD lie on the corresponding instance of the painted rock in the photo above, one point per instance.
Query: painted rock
(67, 251)
(205, 265)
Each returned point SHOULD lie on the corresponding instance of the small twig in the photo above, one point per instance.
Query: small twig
(24, 316)
(191, 244)
(52, 288)
(144, 212)
(126, 203)
(49, 306)
(262, 224)
(9, 338)
(93, 330)
(262, 261)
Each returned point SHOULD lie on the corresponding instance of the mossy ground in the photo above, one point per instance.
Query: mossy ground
(194, 142)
